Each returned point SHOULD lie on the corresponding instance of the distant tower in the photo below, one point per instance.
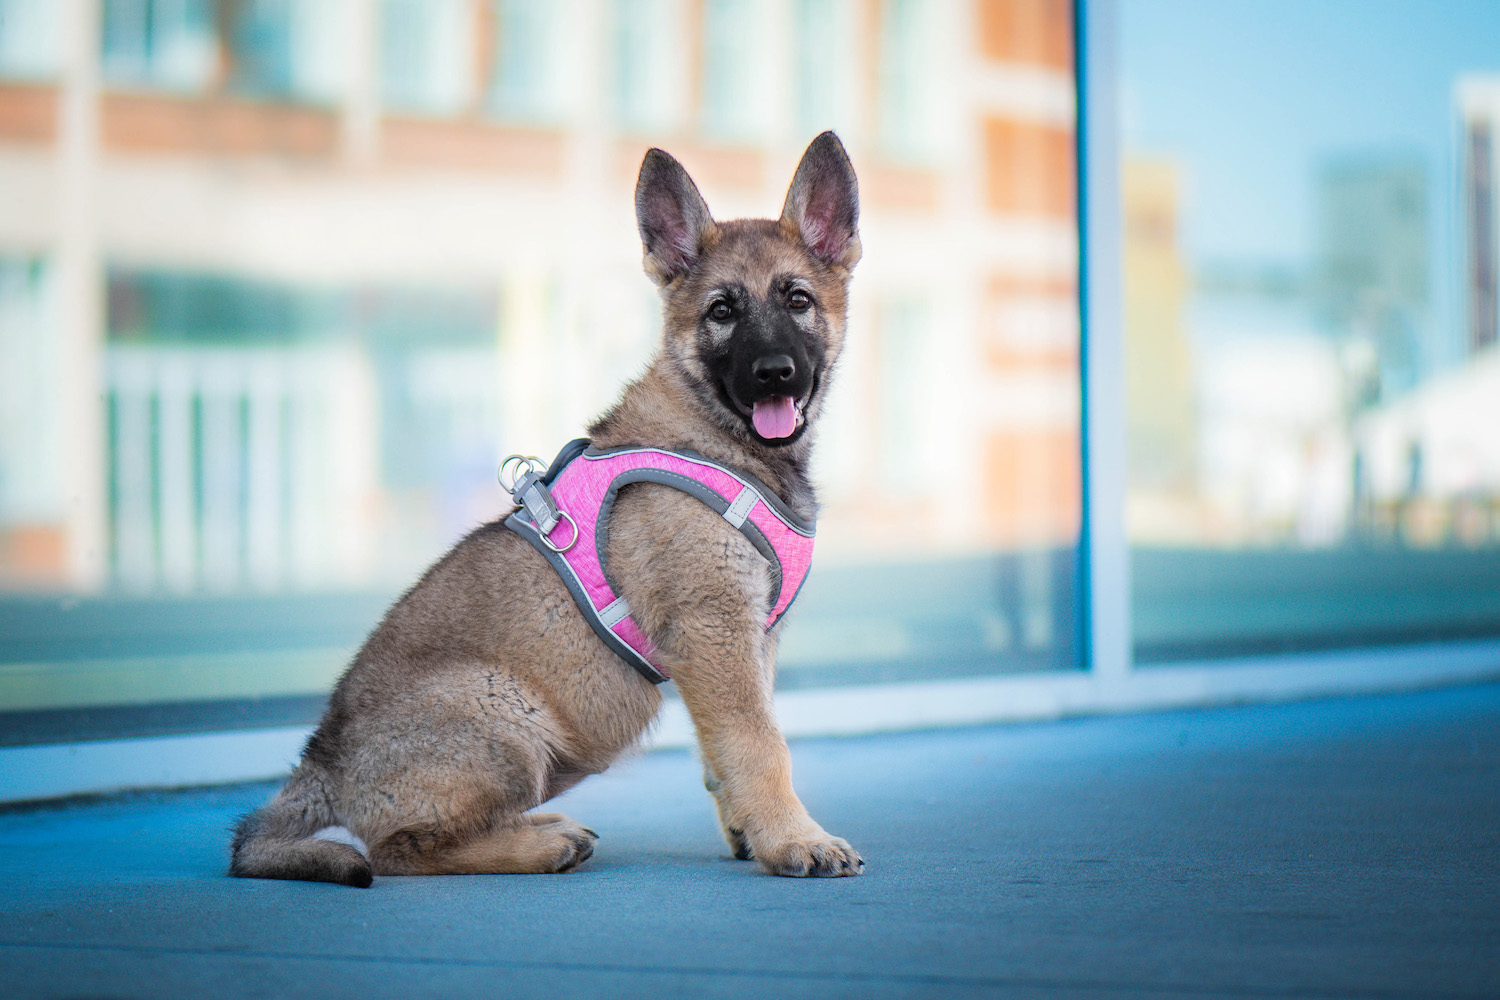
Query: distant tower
(1373, 258)
(1162, 415)
(1479, 124)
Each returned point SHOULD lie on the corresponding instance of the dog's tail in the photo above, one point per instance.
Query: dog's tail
(277, 841)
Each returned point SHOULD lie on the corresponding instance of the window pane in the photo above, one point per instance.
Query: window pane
(732, 81)
(525, 84)
(289, 49)
(168, 44)
(427, 55)
(1310, 275)
(648, 45)
(30, 43)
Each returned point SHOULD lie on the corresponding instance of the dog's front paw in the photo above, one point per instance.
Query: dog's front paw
(817, 855)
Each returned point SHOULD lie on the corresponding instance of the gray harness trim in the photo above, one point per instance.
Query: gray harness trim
(642, 665)
(767, 494)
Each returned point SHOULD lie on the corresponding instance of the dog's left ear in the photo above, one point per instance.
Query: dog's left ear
(823, 202)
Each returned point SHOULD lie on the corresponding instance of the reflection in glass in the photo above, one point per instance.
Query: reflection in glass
(1309, 306)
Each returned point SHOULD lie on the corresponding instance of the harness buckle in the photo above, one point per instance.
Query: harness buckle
(521, 475)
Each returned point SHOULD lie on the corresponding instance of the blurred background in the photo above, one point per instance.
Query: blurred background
(282, 280)
(1310, 254)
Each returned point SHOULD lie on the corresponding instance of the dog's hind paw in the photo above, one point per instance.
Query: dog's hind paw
(575, 842)
(821, 856)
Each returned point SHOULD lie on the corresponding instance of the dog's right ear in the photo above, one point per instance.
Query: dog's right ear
(671, 215)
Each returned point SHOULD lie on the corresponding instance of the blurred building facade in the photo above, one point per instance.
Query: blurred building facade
(281, 279)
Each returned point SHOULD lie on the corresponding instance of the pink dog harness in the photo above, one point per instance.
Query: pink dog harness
(565, 515)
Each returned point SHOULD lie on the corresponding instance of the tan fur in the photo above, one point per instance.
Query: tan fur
(484, 692)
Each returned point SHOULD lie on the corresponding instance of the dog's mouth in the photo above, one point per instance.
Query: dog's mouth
(775, 419)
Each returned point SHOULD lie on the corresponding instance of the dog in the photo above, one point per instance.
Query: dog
(484, 692)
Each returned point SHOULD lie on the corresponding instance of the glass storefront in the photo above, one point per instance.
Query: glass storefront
(1310, 272)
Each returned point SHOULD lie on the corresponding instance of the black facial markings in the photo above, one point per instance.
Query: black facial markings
(736, 327)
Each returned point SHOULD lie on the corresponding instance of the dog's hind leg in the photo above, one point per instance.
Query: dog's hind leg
(278, 841)
(466, 814)
(519, 847)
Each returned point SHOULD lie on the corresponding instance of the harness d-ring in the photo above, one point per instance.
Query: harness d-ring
(548, 542)
(523, 464)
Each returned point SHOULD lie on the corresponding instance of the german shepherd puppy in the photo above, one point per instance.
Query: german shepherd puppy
(483, 693)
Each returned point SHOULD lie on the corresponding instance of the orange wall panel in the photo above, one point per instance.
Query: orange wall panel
(899, 189)
(1029, 168)
(149, 123)
(28, 113)
(469, 145)
(1032, 486)
(1027, 31)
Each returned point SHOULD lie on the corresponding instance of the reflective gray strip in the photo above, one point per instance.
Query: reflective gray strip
(614, 612)
(740, 509)
(537, 500)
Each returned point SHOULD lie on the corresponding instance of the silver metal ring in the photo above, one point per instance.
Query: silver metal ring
(548, 542)
(523, 464)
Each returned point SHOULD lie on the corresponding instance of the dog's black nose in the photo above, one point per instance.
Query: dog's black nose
(777, 368)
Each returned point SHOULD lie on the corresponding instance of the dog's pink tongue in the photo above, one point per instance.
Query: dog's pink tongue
(775, 417)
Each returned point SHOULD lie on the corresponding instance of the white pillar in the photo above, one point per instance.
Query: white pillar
(588, 160)
(361, 111)
(80, 299)
(1108, 549)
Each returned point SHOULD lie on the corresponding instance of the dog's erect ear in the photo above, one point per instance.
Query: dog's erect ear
(823, 202)
(671, 216)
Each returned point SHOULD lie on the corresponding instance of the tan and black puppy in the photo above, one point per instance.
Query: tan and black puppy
(484, 692)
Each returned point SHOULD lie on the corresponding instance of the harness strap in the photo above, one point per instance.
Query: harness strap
(580, 488)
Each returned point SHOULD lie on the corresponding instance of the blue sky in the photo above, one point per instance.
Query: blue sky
(1253, 94)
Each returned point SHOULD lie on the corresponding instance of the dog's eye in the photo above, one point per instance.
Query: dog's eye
(798, 300)
(720, 312)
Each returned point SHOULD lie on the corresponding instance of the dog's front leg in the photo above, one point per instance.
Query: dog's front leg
(746, 762)
(733, 836)
(702, 599)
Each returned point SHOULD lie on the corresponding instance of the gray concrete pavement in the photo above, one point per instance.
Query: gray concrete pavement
(1343, 848)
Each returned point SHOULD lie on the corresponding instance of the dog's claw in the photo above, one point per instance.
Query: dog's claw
(820, 858)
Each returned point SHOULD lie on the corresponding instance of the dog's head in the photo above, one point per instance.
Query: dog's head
(754, 308)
